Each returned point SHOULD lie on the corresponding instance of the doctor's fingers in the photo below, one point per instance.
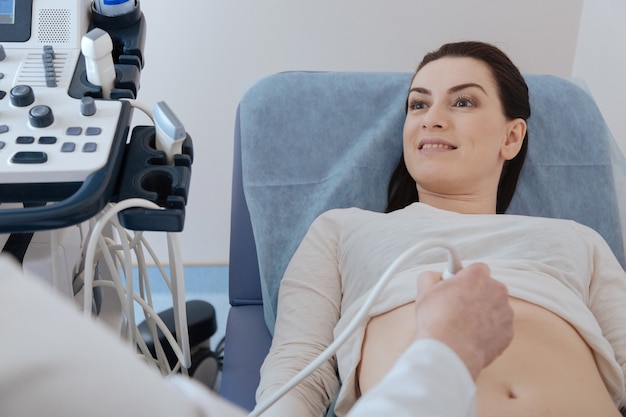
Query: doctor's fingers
(426, 281)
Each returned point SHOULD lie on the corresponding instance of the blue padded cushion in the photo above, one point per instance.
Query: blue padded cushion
(244, 286)
(247, 344)
(315, 141)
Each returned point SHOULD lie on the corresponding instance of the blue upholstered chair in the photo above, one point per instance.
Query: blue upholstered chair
(307, 142)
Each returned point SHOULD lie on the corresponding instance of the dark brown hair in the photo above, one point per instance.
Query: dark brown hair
(513, 94)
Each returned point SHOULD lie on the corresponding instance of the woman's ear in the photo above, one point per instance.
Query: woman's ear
(512, 144)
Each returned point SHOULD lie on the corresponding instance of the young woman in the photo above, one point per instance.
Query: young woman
(464, 145)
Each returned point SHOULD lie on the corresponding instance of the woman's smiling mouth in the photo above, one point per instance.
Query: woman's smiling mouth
(436, 145)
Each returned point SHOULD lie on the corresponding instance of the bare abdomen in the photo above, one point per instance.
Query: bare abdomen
(547, 370)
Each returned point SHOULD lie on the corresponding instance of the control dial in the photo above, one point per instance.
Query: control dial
(40, 116)
(22, 96)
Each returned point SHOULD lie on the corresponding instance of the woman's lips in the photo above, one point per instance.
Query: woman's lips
(435, 145)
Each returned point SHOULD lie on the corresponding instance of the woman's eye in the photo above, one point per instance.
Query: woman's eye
(464, 102)
(417, 105)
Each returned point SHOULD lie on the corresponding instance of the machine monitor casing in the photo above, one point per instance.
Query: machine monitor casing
(33, 23)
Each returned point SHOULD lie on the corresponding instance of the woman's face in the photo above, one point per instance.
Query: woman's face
(456, 137)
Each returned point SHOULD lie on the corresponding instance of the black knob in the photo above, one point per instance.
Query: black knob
(22, 96)
(40, 116)
(87, 106)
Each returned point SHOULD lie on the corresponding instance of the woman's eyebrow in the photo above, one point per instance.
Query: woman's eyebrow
(420, 90)
(451, 90)
(460, 87)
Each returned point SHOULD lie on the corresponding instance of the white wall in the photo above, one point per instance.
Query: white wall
(601, 60)
(201, 56)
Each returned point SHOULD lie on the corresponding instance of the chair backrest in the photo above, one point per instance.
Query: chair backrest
(311, 141)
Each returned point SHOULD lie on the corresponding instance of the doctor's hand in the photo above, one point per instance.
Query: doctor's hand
(469, 312)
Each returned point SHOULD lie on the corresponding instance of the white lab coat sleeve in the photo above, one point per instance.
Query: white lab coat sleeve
(58, 363)
(428, 380)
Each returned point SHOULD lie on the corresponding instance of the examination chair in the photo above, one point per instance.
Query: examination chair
(306, 142)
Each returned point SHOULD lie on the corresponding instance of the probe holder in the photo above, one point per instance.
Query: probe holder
(128, 33)
(146, 175)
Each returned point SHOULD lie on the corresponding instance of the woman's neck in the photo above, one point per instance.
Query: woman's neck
(460, 204)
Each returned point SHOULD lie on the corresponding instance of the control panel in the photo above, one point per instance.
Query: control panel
(63, 136)
(47, 136)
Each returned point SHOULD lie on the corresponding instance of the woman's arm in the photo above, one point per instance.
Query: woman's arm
(309, 305)
(607, 297)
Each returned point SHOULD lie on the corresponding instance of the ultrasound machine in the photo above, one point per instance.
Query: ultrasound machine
(79, 182)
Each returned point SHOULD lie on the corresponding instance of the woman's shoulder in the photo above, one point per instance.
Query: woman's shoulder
(345, 218)
(349, 212)
(359, 214)
(565, 229)
(555, 222)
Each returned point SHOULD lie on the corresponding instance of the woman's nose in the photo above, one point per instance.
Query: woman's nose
(434, 117)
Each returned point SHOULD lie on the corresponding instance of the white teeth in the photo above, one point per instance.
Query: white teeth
(436, 146)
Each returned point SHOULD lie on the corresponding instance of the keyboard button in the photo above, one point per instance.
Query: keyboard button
(25, 140)
(93, 131)
(47, 140)
(68, 147)
(90, 147)
(29, 158)
(74, 131)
